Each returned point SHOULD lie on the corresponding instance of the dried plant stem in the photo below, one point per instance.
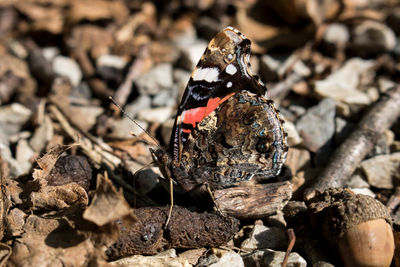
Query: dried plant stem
(360, 142)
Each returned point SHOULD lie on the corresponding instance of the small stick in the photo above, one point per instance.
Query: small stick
(292, 241)
(135, 70)
(360, 142)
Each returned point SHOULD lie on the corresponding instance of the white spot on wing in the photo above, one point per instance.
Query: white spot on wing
(207, 74)
(229, 84)
(230, 69)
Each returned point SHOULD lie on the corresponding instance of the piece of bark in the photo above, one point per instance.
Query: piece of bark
(360, 142)
(254, 201)
(185, 229)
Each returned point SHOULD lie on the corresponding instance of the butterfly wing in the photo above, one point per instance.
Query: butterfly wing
(223, 70)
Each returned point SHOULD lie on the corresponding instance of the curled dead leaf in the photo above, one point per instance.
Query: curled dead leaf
(107, 205)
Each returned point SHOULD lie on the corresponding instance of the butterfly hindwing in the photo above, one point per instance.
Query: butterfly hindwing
(222, 71)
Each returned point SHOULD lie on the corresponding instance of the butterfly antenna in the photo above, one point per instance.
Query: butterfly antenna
(130, 118)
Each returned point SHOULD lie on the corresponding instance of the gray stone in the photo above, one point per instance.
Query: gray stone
(382, 171)
(67, 67)
(271, 258)
(265, 237)
(160, 114)
(293, 137)
(125, 128)
(165, 97)
(342, 84)
(357, 181)
(297, 110)
(317, 126)
(140, 103)
(371, 37)
(155, 80)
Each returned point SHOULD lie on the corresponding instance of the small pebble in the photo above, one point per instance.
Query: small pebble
(65, 66)
(382, 171)
(155, 80)
(317, 126)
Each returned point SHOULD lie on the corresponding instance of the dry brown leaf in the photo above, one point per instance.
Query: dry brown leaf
(4, 197)
(94, 39)
(97, 10)
(107, 205)
(67, 198)
(51, 242)
(47, 18)
(47, 162)
(5, 253)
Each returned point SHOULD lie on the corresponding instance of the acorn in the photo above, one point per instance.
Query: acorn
(359, 227)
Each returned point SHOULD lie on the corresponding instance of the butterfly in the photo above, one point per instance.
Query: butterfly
(226, 131)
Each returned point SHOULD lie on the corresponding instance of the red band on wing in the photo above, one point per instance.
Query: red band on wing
(195, 115)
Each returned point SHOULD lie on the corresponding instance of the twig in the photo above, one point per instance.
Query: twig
(284, 86)
(255, 201)
(360, 142)
(135, 70)
(292, 241)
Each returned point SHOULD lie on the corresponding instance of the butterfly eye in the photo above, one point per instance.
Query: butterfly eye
(262, 145)
(229, 58)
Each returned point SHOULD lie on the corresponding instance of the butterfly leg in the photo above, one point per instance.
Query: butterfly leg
(171, 194)
(213, 199)
(162, 160)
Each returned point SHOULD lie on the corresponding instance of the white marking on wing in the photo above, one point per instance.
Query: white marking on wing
(230, 69)
(207, 74)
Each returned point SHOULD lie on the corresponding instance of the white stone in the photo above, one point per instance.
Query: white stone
(229, 259)
(166, 259)
(265, 237)
(293, 136)
(160, 114)
(342, 84)
(65, 66)
(113, 61)
(155, 80)
(363, 191)
(336, 33)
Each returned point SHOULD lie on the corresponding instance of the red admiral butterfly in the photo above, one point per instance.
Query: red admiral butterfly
(225, 130)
